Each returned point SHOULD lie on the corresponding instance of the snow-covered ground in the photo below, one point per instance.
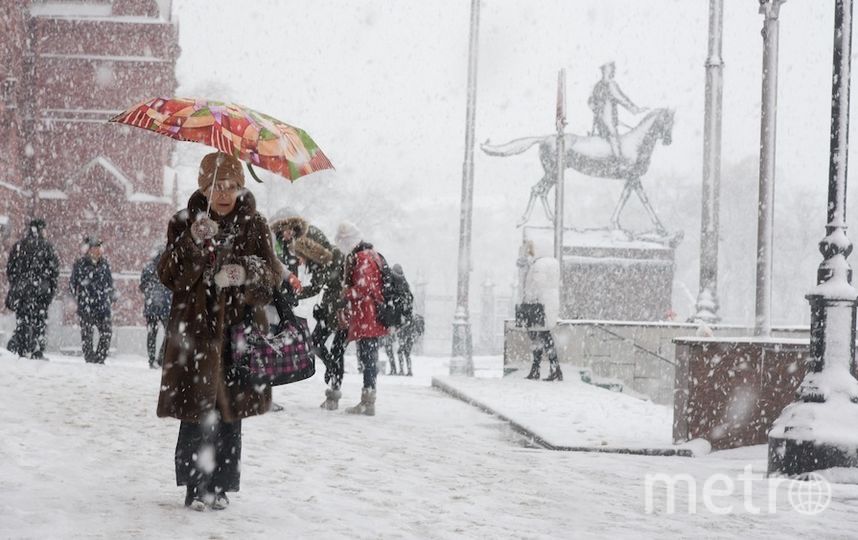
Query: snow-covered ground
(83, 455)
(571, 413)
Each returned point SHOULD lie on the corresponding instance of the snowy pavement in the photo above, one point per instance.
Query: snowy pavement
(571, 413)
(83, 455)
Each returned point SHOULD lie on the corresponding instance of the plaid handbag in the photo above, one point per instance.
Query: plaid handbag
(274, 359)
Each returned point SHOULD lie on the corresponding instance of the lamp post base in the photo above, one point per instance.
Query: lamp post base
(790, 457)
(461, 362)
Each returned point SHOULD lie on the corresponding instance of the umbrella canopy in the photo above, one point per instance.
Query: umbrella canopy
(249, 135)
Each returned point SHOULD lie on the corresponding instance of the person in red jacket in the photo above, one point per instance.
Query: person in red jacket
(362, 290)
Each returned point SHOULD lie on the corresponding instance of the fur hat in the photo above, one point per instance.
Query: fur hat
(348, 236)
(312, 251)
(227, 167)
(296, 224)
(283, 213)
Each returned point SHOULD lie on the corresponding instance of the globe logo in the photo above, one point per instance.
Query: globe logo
(811, 495)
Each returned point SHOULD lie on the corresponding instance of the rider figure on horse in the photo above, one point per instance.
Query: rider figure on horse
(603, 101)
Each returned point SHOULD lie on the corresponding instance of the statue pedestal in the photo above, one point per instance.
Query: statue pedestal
(609, 278)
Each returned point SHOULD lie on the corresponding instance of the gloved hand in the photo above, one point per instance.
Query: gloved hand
(230, 275)
(295, 283)
(204, 228)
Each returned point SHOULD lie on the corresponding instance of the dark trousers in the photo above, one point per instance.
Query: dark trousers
(152, 324)
(29, 336)
(541, 342)
(333, 358)
(406, 342)
(203, 445)
(367, 352)
(105, 331)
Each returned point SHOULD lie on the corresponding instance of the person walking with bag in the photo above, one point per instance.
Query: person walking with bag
(325, 265)
(221, 269)
(541, 288)
(362, 290)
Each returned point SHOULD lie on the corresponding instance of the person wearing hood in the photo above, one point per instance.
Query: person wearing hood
(542, 286)
(156, 307)
(33, 271)
(362, 290)
(91, 284)
(221, 270)
(405, 331)
(325, 265)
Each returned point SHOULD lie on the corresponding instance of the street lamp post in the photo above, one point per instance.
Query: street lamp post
(707, 299)
(462, 362)
(818, 431)
(768, 130)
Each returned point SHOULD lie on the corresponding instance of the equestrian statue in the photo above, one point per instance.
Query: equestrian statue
(603, 153)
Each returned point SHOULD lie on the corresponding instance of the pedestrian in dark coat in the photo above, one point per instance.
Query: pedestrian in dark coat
(362, 289)
(404, 331)
(156, 308)
(221, 270)
(325, 266)
(91, 285)
(33, 272)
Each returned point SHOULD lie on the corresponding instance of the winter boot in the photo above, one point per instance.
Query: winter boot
(556, 374)
(534, 369)
(194, 499)
(366, 405)
(332, 399)
(220, 502)
(534, 372)
(393, 368)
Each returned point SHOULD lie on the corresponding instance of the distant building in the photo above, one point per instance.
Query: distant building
(65, 68)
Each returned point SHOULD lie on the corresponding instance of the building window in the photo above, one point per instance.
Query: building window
(8, 92)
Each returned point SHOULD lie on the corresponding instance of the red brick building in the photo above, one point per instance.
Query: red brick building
(65, 68)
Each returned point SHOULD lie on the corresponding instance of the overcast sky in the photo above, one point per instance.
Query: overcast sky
(380, 85)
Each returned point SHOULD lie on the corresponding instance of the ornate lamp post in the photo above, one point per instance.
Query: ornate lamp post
(768, 131)
(707, 299)
(462, 362)
(819, 430)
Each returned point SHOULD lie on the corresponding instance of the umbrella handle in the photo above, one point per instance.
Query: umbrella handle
(252, 172)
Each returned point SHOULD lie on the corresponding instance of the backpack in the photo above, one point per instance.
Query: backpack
(396, 304)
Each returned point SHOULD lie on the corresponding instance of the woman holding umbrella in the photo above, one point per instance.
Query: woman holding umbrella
(220, 265)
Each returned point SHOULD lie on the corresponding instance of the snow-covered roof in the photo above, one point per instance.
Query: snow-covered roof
(105, 58)
(100, 10)
(120, 179)
(54, 194)
(15, 188)
(70, 9)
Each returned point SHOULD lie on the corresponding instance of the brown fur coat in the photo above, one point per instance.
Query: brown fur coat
(197, 376)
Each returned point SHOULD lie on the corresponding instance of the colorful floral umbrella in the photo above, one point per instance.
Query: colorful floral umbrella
(254, 137)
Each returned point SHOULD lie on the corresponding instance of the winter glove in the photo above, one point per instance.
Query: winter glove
(295, 283)
(203, 229)
(230, 275)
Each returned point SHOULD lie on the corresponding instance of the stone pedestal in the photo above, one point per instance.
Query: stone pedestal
(610, 278)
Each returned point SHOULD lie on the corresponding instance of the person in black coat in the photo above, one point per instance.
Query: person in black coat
(405, 329)
(91, 285)
(32, 271)
(156, 307)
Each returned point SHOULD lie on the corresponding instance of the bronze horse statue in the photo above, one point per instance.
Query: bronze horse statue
(592, 156)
